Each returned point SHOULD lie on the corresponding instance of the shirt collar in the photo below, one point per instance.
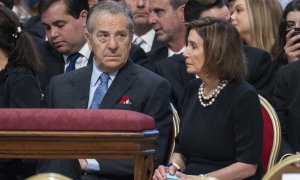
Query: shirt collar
(171, 53)
(147, 37)
(97, 72)
(84, 51)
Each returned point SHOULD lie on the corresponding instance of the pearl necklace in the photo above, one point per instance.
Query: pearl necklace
(212, 97)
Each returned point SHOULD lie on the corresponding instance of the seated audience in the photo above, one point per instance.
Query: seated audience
(64, 22)
(220, 109)
(258, 62)
(144, 34)
(19, 86)
(104, 84)
(287, 47)
(167, 19)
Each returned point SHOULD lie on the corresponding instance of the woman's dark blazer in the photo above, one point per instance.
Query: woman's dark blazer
(19, 88)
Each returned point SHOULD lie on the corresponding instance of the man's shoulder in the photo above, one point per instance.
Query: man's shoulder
(145, 74)
(175, 60)
(74, 75)
(252, 52)
(158, 54)
(290, 69)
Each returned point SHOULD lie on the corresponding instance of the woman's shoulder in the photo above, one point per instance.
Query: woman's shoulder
(19, 70)
(241, 85)
(241, 89)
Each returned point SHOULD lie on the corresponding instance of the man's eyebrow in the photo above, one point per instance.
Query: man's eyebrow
(55, 22)
(156, 10)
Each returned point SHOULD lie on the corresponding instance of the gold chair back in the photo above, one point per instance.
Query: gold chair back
(271, 160)
(288, 165)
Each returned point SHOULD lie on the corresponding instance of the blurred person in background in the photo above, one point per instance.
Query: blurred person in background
(287, 46)
(7, 3)
(257, 22)
(286, 93)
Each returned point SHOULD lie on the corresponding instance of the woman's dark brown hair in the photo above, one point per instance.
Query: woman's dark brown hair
(224, 55)
(16, 43)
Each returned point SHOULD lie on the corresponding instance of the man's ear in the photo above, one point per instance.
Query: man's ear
(83, 16)
(87, 36)
(180, 11)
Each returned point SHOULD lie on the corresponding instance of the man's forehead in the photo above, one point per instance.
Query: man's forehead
(159, 3)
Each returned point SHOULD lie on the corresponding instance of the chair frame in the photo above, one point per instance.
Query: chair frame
(276, 131)
(279, 166)
(174, 131)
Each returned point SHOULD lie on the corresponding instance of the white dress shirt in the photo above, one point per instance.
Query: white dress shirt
(171, 53)
(82, 61)
(148, 40)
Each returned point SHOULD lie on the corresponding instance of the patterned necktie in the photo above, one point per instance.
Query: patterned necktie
(72, 61)
(100, 91)
(139, 41)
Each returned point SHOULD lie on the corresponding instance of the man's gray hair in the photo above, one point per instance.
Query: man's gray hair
(109, 7)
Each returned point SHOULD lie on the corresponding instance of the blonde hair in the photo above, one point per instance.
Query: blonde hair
(264, 18)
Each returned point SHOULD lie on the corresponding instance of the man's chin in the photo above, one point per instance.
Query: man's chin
(63, 50)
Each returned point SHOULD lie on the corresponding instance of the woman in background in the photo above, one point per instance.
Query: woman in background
(221, 125)
(19, 86)
(257, 22)
(287, 46)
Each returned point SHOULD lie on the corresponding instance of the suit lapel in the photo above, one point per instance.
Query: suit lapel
(91, 57)
(81, 86)
(122, 82)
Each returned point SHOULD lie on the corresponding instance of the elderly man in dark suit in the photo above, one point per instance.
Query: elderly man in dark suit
(66, 49)
(259, 64)
(105, 83)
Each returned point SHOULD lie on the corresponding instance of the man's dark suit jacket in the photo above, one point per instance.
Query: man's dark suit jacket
(54, 63)
(156, 55)
(156, 44)
(287, 105)
(259, 72)
(148, 93)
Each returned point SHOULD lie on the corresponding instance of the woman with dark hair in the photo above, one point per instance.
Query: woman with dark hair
(221, 124)
(287, 47)
(19, 86)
